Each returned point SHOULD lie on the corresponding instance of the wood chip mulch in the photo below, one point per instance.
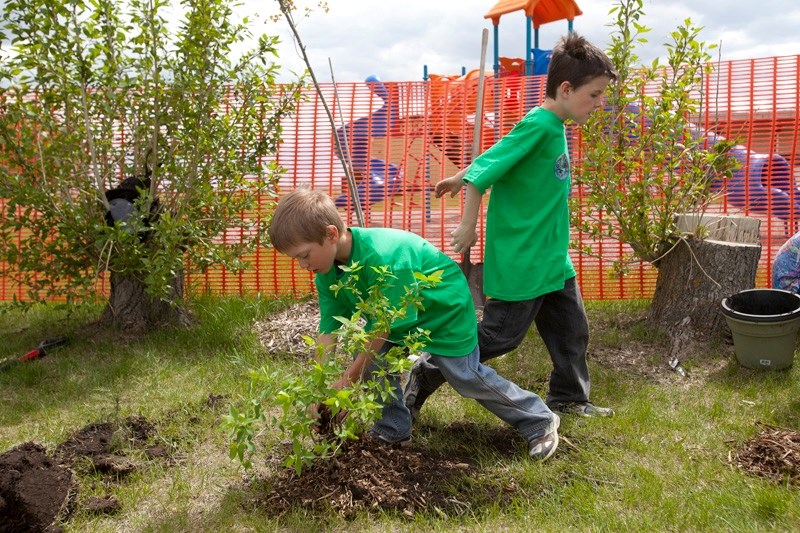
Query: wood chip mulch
(371, 476)
(774, 454)
(283, 332)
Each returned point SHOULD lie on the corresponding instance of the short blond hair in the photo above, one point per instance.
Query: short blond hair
(303, 216)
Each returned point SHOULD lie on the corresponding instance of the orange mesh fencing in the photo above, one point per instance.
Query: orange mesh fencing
(400, 138)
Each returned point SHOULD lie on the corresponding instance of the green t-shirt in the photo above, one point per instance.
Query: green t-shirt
(448, 313)
(527, 219)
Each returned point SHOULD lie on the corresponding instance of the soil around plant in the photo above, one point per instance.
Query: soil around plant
(370, 476)
(34, 490)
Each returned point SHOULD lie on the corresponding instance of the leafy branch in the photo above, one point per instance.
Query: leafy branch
(348, 411)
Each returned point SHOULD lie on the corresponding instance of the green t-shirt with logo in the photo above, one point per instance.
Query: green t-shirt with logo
(448, 313)
(527, 219)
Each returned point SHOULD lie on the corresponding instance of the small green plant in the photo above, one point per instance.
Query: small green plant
(645, 161)
(314, 415)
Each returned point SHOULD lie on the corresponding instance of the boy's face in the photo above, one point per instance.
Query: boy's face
(578, 104)
(316, 257)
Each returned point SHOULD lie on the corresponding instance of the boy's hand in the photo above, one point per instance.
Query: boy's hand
(341, 383)
(463, 238)
(452, 185)
(324, 421)
(321, 415)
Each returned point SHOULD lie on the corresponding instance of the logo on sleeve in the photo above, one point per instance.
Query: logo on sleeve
(562, 167)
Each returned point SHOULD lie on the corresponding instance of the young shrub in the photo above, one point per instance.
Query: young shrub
(344, 414)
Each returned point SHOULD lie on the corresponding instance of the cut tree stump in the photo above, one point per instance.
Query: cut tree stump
(697, 274)
(132, 310)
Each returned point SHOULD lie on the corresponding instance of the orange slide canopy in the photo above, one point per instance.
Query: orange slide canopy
(540, 11)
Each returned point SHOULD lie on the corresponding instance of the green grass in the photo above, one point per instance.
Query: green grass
(661, 464)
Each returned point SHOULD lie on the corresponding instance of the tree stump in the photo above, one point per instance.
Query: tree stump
(132, 310)
(697, 274)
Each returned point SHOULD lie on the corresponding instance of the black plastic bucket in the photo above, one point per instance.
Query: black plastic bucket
(762, 305)
(764, 324)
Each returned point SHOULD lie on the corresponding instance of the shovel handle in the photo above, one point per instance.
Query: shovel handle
(466, 262)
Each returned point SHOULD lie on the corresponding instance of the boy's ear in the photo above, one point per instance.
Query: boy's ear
(565, 88)
(332, 233)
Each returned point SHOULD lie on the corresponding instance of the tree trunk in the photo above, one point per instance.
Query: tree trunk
(697, 274)
(132, 310)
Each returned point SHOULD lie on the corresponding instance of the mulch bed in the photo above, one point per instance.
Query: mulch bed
(773, 454)
(283, 332)
(371, 476)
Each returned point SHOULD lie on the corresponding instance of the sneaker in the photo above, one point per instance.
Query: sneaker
(411, 393)
(585, 409)
(380, 439)
(543, 447)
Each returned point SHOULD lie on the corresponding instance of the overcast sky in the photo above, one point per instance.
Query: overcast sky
(394, 39)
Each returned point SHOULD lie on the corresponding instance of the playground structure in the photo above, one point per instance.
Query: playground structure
(763, 183)
(446, 136)
(417, 133)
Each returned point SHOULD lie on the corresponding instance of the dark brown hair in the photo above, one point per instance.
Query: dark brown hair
(577, 61)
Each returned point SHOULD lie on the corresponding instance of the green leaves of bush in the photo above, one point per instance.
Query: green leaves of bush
(286, 403)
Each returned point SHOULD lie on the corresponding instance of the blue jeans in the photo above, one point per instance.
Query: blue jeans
(560, 318)
(395, 422)
(521, 409)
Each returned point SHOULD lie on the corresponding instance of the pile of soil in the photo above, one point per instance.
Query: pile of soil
(37, 489)
(34, 490)
(773, 454)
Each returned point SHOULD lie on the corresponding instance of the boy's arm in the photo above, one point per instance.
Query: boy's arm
(356, 370)
(452, 184)
(464, 235)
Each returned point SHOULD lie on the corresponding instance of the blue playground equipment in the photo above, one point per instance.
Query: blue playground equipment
(762, 183)
(383, 180)
(379, 180)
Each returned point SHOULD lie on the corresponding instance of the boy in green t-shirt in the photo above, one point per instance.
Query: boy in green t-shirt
(307, 227)
(528, 275)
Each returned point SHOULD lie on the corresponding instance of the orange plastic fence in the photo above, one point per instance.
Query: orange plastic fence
(402, 137)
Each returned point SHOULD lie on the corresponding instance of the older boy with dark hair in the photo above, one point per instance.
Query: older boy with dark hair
(307, 227)
(528, 274)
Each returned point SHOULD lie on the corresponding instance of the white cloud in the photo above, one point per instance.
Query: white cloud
(394, 39)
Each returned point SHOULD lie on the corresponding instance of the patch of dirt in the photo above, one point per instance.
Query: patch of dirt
(773, 454)
(99, 442)
(369, 475)
(35, 490)
(659, 360)
(100, 505)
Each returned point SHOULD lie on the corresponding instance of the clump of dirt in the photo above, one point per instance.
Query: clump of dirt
(99, 505)
(35, 490)
(368, 475)
(773, 454)
(100, 442)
